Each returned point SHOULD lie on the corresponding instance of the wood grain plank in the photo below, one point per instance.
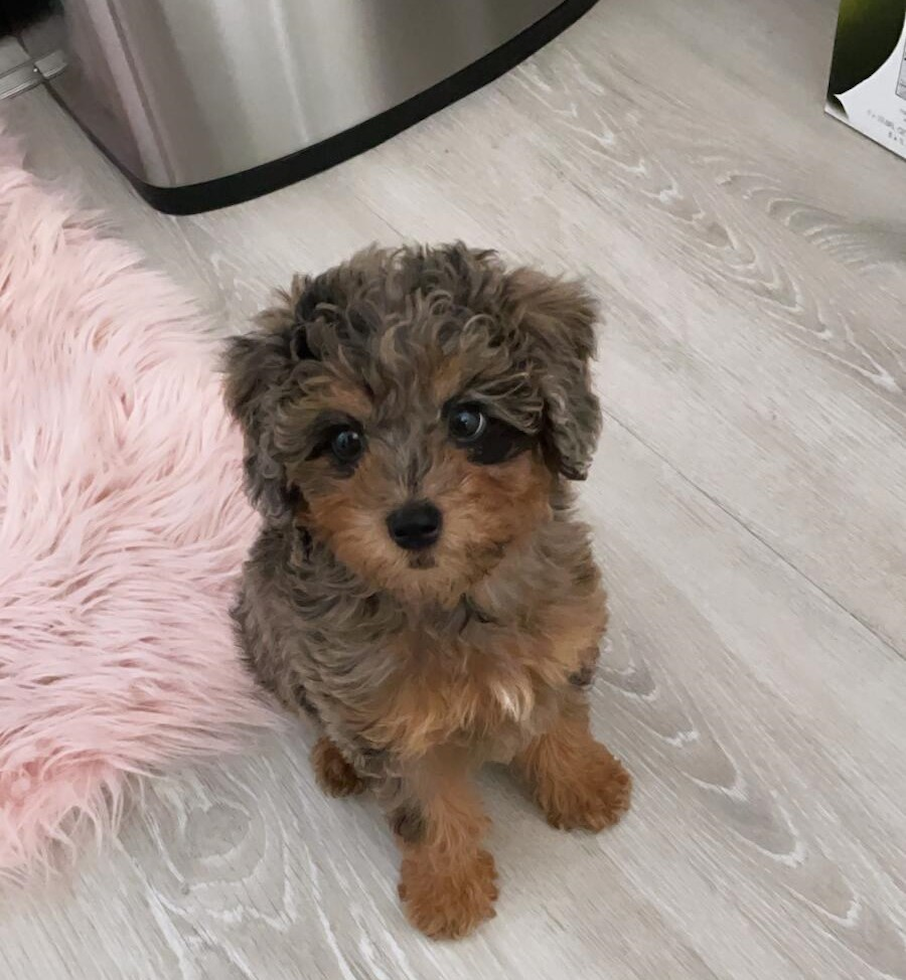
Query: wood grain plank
(11, 54)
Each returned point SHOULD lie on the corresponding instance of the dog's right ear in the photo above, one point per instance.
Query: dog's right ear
(557, 318)
(258, 367)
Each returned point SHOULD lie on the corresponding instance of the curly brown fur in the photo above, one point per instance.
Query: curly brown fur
(335, 775)
(422, 660)
(577, 782)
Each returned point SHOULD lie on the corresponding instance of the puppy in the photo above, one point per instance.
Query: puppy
(420, 588)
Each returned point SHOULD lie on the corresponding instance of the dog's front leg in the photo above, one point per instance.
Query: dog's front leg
(576, 781)
(447, 880)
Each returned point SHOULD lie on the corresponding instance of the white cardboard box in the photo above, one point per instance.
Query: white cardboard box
(867, 87)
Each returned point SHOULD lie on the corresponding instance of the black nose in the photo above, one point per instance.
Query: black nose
(415, 526)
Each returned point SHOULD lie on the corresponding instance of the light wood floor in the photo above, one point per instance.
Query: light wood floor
(749, 503)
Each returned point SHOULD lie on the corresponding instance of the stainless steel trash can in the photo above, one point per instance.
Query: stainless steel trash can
(204, 103)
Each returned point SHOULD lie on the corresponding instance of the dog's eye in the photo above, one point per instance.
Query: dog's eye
(487, 439)
(347, 445)
(467, 423)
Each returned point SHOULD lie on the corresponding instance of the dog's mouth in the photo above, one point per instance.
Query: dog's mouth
(422, 560)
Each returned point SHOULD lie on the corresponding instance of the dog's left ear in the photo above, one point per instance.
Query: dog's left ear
(556, 318)
(257, 369)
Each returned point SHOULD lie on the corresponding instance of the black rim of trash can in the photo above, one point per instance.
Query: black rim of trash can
(248, 184)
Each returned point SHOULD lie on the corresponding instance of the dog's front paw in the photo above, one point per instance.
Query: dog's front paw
(592, 796)
(445, 902)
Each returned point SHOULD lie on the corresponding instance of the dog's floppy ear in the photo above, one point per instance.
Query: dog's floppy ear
(556, 318)
(257, 368)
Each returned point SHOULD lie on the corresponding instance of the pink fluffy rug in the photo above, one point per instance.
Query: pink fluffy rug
(122, 527)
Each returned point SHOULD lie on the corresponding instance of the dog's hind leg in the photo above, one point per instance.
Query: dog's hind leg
(576, 781)
(335, 774)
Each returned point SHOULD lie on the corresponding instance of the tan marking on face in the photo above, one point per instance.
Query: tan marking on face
(486, 509)
(351, 519)
(341, 395)
(448, 379)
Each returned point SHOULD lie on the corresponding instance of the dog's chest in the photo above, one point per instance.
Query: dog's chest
(491, 685)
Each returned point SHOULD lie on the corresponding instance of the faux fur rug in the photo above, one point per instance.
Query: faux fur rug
(122, 526)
